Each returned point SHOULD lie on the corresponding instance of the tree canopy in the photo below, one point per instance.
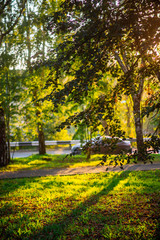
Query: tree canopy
(120, 38)
(83, 57)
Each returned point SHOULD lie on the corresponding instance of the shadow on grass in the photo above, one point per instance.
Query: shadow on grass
(56, 230)
(97, 217)
(10, 185)
(157, 233)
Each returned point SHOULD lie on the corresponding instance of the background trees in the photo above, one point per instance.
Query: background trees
(9, 16)
(26, 40)
(37, 44)
(98, 60)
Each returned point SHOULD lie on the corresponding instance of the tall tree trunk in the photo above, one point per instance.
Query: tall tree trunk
(138, 125)
(136, 97)
(7, 104)
(8, 137)
(41, 139)
(4, 152)
(128, 115)
(105, 126)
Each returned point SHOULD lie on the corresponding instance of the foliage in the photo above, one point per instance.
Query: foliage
(92, 206)
(91, 31)
(117, 38)
(9, 16)
(88, 55)
(100, 109)
(152, 108)
(34, 41)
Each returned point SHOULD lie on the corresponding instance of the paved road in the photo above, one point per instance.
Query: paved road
(27, 153)
(73, 171)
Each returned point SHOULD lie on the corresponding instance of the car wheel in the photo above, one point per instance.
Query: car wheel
(76, 151)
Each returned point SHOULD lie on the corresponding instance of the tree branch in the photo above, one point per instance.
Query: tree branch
(119, 60)
(125, 60)
(14, 24)
(2, 8)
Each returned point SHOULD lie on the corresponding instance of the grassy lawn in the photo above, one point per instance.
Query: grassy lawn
(55, 161)
(124, 205)
(50, 161)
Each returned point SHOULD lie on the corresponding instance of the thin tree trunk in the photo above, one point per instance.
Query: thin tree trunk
(128, 115)
(136, 97)
(8, 136)
(41, 139)
(4, 153)
(105, 126)
(7, 105)
(138, 125)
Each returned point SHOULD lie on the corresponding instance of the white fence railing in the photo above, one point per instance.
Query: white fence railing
(61, 142)
(47, 143)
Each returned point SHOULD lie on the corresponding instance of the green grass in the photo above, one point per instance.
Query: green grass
(50, 161)
(124, 205)
(55, 161)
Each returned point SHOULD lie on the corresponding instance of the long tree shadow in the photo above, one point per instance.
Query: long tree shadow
(59, 227)
(157, 233)
(10, 185)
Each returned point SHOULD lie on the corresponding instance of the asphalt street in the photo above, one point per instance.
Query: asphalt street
(27, 153)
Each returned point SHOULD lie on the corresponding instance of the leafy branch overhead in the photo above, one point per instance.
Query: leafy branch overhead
(116, 38)
(100, 110)
(95, 35)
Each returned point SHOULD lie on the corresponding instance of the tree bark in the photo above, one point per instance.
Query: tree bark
(136, 97)
(128, 115)
(138, 125)
(7, 103)
(41, 139)
(4, 151)
(105, 126)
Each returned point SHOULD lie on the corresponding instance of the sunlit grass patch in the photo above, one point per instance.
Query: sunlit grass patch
(156, 157)
(57, 161)
(123, 205)
(49, 161)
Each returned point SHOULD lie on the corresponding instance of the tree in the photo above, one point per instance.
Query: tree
(29, 20)
(35, 40)
(9, 17)
(114, 37)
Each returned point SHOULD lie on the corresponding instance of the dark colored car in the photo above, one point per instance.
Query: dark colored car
(103, 145)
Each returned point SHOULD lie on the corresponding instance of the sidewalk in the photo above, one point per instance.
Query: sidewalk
(81, 170)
